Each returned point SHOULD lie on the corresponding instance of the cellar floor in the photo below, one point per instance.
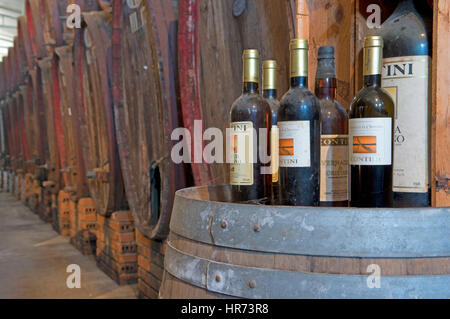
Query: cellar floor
(34, 260)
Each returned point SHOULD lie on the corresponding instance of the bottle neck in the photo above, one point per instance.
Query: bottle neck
(373, 57)
(270, 93)
(250, 87)
(372, 80)
(326, 88)
(299, 81)
(299, 68)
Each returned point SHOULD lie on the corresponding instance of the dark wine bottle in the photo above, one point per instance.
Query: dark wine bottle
(250, 177)
(270, 94)
(299, 125)
(371, 134)
(407, 59)
(334, 135)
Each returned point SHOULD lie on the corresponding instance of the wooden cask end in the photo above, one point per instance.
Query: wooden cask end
(217, 248)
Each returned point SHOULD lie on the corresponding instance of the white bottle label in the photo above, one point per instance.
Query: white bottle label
(274, 151)
(241, 169)
(406, 79)
(334, 168)
(295, 147)
(371, 140)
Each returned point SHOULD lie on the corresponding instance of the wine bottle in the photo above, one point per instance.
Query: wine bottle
(407, 58)
(250, 178)
(371, 123)
(334, 134)
(270, 94)
(299, 125)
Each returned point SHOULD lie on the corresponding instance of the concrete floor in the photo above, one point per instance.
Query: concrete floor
(34, 259)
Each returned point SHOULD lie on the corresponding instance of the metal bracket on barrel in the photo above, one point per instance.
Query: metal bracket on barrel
(252, 282)
(381, 233)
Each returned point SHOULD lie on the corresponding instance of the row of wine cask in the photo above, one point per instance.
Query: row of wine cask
(379, 121)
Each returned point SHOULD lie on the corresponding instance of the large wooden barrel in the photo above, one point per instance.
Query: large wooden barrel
(45, 85)
(220, 249)
(3, 135)
(93, 74)
(146, 108)
(35, 124)
(75, 181)
(212, 35)
(41, 146)
(23, 116)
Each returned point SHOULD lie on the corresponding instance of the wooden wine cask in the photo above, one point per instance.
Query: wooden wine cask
(45, 84)
(68, 58)
(220, 249)
(92, 65)
(6, 134)
(14, 109)
(3, 135)
(146, 109)
(16, 158)
(35, 126)
(23, 116)
(7, 108)
(26, 61)
(75, 183)
(39, 122)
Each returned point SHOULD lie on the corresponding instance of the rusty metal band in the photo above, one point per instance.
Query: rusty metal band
(250, 282)
(334, 232)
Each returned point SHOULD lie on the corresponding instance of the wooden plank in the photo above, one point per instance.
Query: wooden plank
(336, 28)
(440, 126)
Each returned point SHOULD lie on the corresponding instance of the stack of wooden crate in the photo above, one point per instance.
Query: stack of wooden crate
(116, 247)
(61, 219)
(86, 229)
(150, 266)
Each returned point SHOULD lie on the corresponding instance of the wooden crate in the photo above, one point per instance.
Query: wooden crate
(150, 265)
(116, 247)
